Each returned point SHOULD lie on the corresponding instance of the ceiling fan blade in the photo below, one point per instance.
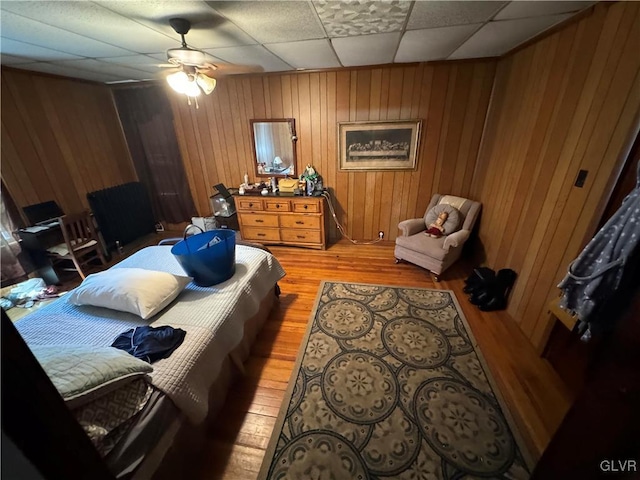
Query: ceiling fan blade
(223, 69)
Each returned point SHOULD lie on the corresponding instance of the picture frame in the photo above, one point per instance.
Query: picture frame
(380, 145)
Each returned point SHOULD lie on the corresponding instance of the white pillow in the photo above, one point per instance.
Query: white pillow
(133, 290)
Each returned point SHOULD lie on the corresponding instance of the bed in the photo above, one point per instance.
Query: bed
(183, 390)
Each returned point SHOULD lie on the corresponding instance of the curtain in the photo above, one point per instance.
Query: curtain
(11, 269)
(147, 121)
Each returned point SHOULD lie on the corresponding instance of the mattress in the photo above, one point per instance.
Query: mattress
(213, 318)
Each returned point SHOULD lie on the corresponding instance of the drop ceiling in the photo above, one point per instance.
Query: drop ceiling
(116, 41)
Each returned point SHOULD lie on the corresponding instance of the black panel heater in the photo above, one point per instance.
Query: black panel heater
(123, 213)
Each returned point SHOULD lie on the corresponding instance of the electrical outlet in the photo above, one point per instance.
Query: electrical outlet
(380, 234)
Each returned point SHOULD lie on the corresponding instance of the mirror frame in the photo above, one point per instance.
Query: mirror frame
(292, 129)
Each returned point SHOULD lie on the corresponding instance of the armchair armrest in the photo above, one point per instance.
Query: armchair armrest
(456, 239)
(412, 226)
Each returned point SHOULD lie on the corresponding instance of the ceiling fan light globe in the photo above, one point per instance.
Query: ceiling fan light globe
(179, 81)
(192, 89)
(207, 84)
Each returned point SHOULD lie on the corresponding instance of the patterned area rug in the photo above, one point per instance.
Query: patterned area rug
(390, 384)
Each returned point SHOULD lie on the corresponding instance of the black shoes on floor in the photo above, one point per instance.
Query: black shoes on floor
(488, 290)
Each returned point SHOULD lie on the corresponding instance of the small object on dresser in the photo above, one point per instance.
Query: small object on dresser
(264, 191)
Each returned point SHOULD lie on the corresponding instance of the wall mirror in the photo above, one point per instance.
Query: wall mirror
(274, 147)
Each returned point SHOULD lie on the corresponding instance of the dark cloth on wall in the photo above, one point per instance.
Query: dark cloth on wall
(150, 343)
(147, 121)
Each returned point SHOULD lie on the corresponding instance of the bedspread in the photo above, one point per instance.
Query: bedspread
(213, 318)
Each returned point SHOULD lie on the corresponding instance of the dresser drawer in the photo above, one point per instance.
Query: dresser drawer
(277, 205)
(300, 221)
(306, 206)
(249, 204)
(257, 220)
(256, 233)
(301, 236)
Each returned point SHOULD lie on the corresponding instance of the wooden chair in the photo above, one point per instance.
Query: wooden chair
(81, 242)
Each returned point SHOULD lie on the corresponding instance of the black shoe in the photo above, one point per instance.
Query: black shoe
(478, 280)
(497, 298)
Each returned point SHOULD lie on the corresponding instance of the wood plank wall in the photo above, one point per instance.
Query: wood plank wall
(61, 138)
(565, 103)
(451, 99)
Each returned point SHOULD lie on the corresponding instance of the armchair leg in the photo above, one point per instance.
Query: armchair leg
(398, 260)
(436, 277)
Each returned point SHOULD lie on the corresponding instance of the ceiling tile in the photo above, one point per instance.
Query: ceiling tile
(251, 55)
(306, 54)
(66, 72)
(209, 29)
(496, 38)
(432, 43)
(33, 52)
(264, 20)
(444, 14)
(361, 17)
(83, 17)
(366, 49)
(537, 9)
(26, 30)
(118, 71)
(13, 60)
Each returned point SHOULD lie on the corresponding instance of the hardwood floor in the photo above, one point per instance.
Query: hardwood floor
(533, 391)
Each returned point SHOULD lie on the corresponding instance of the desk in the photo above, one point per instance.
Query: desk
(35, 243)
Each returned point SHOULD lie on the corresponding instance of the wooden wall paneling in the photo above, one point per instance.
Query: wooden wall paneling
(315, 122)
(366, 202)
(523, 258)
(415, 113)
(583, 83)
(343, 80)
(16, 178)
(303, 122)
(564, 103)
(217, 166)
(57, 128)
(519, 178)
(28, 108)
(540, 135)
(61, 139)
(257, 96)
(615, 110)
(434, 114)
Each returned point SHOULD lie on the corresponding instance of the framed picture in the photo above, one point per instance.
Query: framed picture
(389, 145)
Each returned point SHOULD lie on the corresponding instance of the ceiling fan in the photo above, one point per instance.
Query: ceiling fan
(193, 71)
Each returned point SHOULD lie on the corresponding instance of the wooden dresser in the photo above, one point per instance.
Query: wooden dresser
(281, 220)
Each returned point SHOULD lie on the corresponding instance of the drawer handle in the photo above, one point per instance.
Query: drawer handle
(306, 206)
(301, 236)
(259, 221)
(299, 222)
(277, 205)
(250, 205)
(261, 234)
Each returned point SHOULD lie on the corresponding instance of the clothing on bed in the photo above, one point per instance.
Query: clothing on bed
(150, 343)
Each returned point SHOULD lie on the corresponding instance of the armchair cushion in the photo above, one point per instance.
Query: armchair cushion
(451, 224)
(425, 245)
(411, 226)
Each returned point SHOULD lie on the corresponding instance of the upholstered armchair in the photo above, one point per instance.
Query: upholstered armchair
(436, 254)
